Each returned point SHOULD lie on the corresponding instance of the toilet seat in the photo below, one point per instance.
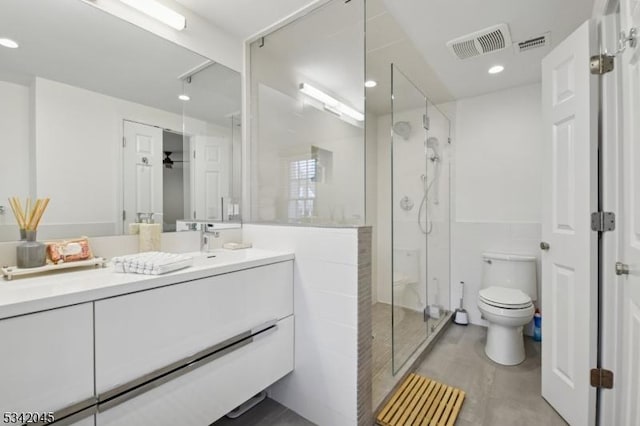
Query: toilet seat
(505, 298)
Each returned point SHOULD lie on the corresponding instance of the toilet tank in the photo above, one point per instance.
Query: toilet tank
(511, 271)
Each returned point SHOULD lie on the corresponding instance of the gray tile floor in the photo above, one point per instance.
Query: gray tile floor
(496, 395)
(267, 413)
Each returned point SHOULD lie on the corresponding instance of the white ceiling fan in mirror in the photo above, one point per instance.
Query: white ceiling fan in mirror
(67, 98)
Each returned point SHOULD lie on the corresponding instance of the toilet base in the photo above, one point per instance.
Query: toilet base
(505, 345)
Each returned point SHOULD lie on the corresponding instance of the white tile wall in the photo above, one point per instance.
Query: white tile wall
(323, 386)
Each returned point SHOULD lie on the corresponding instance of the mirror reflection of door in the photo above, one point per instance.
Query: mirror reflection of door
(175, 179)
(142, 172)
(210, 177)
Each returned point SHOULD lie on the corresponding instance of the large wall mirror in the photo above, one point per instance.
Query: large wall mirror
(112, 123)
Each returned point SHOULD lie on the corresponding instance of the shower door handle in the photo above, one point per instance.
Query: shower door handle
(544, 246)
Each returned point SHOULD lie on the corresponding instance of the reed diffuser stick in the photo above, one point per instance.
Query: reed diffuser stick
(29, 219)
(16, 212)
(42, 206)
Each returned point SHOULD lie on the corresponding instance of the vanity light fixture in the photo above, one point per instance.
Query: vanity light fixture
(330, 103)
(160, 12)
(7, 42)
(496, 69)
(184, 97)
(370, 83)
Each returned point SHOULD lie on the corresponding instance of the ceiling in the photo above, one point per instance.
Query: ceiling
(413, 33)
(75, 43)
(387, 44)
(244, 18)
(431, 23)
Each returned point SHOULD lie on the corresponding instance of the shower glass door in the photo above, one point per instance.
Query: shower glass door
(435, 217)
(409, 181)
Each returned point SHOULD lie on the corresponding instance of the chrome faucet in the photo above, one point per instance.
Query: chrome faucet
(205, 234)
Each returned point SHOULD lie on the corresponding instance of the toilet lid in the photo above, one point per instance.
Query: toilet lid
(510, 298)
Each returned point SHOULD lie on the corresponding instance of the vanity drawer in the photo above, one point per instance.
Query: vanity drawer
(47, 360)
(209, 392)
(137, 334)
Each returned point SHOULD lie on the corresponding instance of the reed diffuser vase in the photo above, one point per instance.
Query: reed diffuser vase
(31, 253)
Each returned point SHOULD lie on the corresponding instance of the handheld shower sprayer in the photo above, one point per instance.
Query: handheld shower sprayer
(434, 144)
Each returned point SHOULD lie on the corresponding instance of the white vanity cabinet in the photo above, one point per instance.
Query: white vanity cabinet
(238, 325)
(47, 360)
(209, 392)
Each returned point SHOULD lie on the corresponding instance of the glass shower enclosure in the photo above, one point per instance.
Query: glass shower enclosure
(420, 217)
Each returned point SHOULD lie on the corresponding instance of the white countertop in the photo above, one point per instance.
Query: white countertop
(27, 295)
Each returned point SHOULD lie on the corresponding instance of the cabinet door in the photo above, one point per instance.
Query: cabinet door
(209, 392)
(139, 333)
(47, 360)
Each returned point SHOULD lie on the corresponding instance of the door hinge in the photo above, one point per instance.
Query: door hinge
(194, 155)
(601, 378)
(601, 64)
(425, 121)
(124, 142)
(622, 268)
(603, 221)
(124, 215)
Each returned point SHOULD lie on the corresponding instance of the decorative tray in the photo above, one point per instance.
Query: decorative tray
(13, 271)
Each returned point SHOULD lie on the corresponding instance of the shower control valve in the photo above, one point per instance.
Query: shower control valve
(406, 203)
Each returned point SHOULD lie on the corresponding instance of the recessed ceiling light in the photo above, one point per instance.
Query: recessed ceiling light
(7, 42)
(496, 69)
(370, 83)
(184, 98)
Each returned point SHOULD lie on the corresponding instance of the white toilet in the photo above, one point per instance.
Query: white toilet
(509, 288)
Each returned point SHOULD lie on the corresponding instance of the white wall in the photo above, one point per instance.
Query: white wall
(14, 155)
(496, 183)
(323, 386)
(498, 157)
(200, 36)
(78, 136)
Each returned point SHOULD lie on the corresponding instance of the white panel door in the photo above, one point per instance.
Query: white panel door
(629, 377)
(569, 266)
(211, 180)
(142, 171)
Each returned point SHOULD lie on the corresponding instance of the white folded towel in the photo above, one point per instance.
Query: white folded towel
(151, 263)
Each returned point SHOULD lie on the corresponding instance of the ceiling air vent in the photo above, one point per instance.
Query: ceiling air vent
(481, 42)
(533, 43)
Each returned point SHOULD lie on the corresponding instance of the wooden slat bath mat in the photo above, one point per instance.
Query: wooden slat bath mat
(422, 401)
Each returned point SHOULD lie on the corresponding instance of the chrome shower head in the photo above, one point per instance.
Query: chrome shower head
(402, 129)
